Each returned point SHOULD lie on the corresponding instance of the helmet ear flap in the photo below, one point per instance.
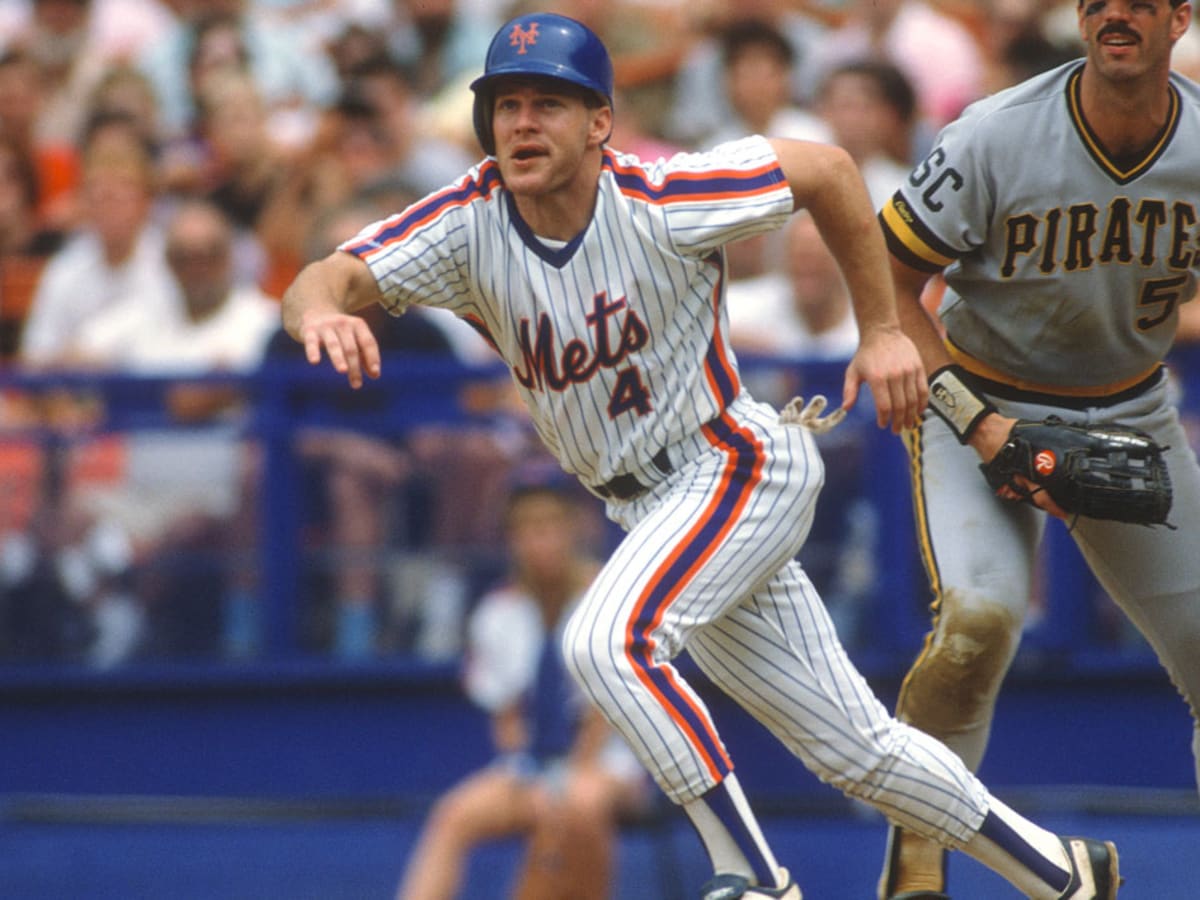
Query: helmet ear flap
(481, 114)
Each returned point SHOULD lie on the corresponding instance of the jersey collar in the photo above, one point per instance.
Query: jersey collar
(1125, 170)
(555, 256)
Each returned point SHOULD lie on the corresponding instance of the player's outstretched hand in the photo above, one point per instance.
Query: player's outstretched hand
(889, 364)
(318, 308)
(348, 341)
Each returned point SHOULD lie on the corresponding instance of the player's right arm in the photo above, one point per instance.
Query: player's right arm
(990, 432)
(318, 312)
(825, 180)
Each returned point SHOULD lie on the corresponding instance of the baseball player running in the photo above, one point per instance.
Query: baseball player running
(1065, 214)
(600, 280)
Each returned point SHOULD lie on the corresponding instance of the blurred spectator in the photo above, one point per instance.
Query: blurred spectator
(125, 91)
(116, 29)
(315, 25)
(142, 533)
(217, 34)
(629, 135)
(701, 104)
(822, 319)
(1186, 58)
(31, 625)
(210, 320)
(416, 163)
(937, 52)
(757, 62)
(24, 244)
(347, 155)
(561, 777)
(799, 308)
(370, 145)
(182, 502)
(233, 162)
(437, 42)
(354, 46)
(1016, 42)
(73, 43)
(758, 294)
(116, 253)
(870, 108)
(363, 502)
(21, 101)
(1025, 57)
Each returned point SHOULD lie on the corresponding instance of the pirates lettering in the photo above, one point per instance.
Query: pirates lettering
(1076, 238)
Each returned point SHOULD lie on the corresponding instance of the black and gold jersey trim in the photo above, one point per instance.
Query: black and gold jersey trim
(1096, 149)
(1000, 384)
(910, 240)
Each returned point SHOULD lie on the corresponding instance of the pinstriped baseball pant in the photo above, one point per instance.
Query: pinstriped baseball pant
(982, 552)
(708, 566)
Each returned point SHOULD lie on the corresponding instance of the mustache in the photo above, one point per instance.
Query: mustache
(1116, 28)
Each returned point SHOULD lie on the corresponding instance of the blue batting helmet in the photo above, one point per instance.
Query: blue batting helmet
(543, 44)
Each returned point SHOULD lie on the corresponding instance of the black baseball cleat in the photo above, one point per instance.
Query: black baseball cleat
(1094, 870)
(736, 887)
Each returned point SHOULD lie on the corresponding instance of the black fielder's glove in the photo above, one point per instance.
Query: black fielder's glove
(1102, 472)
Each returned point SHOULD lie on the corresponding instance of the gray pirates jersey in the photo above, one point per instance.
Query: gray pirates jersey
(1100, 251)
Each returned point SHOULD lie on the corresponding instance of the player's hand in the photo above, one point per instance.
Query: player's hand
(348, 341)
(988, 437)
(889, 364)
(1038, 496)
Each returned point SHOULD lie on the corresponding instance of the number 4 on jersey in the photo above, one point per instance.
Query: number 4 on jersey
(630, 393)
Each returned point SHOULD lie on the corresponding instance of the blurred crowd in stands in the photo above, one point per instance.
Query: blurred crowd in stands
(168, 166)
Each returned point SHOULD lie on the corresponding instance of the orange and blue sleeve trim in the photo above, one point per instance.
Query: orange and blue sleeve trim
(421, 213)
(716, 184)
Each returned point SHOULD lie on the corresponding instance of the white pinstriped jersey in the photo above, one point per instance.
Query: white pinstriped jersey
(617, 340)
(1067, 274)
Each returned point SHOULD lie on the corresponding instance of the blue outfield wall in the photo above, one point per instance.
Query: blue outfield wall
(389, 735)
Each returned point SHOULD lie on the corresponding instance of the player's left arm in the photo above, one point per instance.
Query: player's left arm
(318, 312)
(825, 180)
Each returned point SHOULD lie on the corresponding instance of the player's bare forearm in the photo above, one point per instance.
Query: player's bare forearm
(338, 284)
(825, 180)
(916, 321)
(989, 434)
(318, 311)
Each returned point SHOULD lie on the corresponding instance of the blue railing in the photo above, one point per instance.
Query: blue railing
(285, 399)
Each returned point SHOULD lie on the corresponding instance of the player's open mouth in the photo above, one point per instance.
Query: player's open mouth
(522, 154)
(1118, 38)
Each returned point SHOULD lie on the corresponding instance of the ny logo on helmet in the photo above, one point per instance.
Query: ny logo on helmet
(523, 38)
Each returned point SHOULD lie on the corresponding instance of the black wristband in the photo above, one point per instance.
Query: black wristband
(952, 398)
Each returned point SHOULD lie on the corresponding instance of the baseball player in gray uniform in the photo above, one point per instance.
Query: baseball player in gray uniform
(600, 279)
(1065, 212)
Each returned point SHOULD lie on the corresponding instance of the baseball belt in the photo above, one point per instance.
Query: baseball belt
(627, 487)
